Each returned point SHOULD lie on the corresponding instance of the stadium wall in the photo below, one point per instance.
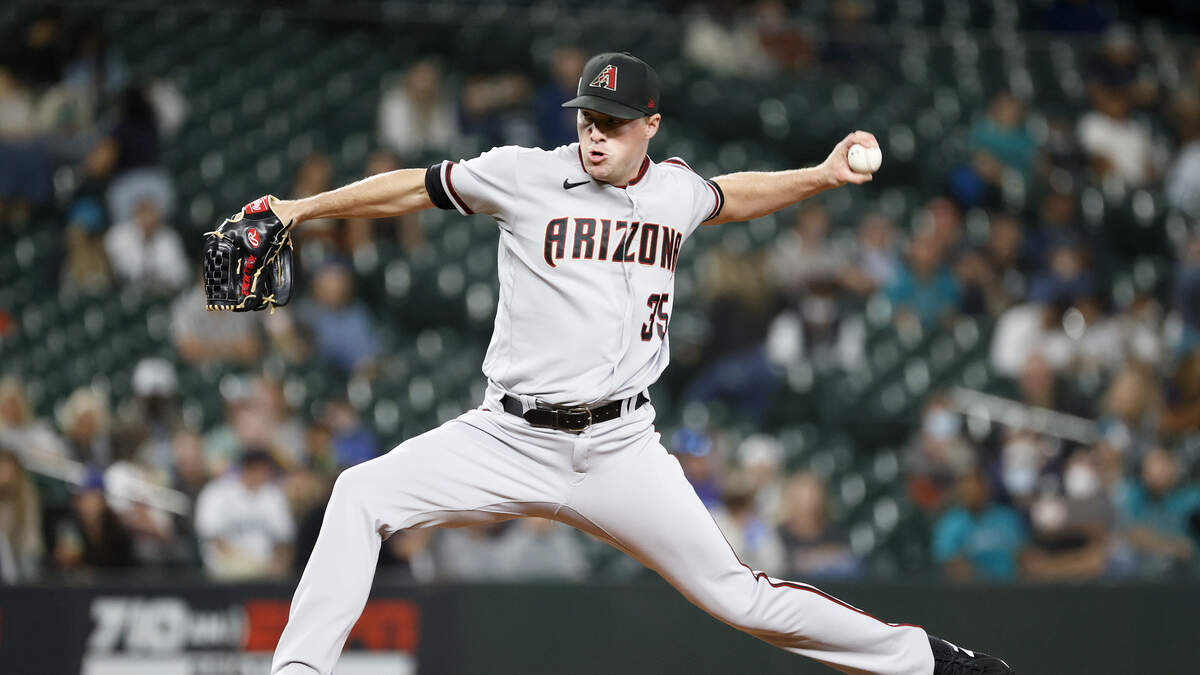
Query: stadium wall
(200, 629)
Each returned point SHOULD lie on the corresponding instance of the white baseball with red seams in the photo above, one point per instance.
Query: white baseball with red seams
(586, 274)
(864, 159)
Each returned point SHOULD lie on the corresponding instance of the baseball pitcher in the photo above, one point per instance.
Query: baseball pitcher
(590, 234)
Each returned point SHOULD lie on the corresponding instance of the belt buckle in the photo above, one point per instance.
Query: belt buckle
(573, 411)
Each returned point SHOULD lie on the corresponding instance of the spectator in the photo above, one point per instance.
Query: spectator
(1057, 225)
(1118, 68)
(406, 556)
(134, 490)
(322, 457)
(846, 46)
(243, 521)
(999, 146)
(556, 125)
(352, 443)
(32, 439)
(85, 424)
(203, 337)
(943, 218)
(25, 166)
(1002, 138)
(86, 267)
(493, 111)
(92, 537)
(469, 553)
(1132, 411)
(147, 253)
(1066, 277)
(979, 539)
(875, 265)
(416, 118)
(1022, 467)
(806, 269)
(21, 546)
(65, 125)
(803, 257)
(939, 455)
(1117, 146)
(789, 45)
(693, 449)
(1182, 181)
(190, 473)
(154, 410)
(256, 415)
(811, 547)
(724, 42)
(1106, 341)
(342, 329)
(982, 294)
(1182, 413)
(1070, 533)
(95, 67)
(999, 279)
(129, 157)
(1186, 295)
(760, 458)
(1028, 329)
(537, 549)
(1060, 146)
(1158, 510)
(748, 530)
(1038, 386)
(739, 306)
(925, 286)
(16, 108)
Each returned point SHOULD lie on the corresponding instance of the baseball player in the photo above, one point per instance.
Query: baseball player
(590, 234)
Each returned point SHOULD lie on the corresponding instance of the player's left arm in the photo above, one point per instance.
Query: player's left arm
(753, 194)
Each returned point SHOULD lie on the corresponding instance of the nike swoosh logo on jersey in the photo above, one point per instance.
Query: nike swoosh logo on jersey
(567, 184)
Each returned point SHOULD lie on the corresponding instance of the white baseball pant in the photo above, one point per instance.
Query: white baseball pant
(614, 481)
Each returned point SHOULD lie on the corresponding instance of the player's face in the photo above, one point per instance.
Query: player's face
(613, 148)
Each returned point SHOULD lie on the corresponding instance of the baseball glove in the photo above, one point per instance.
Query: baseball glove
(248, 260)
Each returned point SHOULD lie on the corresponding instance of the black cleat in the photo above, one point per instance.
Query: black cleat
(950, 659)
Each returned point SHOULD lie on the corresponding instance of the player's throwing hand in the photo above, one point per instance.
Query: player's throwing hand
(837, 164)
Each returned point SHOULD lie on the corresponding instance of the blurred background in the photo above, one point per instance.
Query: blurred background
(966, 394)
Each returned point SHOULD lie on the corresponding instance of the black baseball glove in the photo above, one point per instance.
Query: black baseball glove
(248, 260)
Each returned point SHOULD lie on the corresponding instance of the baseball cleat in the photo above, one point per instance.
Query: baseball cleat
(950, 659)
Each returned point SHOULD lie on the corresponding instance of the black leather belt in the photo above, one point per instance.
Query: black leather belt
(569, 419)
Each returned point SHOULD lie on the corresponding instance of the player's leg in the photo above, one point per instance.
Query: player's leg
(642, 503)
(465, 471)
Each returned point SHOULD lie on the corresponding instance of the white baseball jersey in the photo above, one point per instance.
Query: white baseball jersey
(587, 269)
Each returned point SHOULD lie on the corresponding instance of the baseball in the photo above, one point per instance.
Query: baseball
(863, 159)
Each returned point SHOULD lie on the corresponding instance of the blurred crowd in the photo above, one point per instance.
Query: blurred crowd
(1006, 237)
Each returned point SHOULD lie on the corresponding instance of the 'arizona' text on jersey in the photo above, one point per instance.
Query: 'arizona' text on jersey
(586, 269)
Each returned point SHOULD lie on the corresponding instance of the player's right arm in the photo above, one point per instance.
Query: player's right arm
(385, 195)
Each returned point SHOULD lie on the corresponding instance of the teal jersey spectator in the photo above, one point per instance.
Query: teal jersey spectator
(930, 298)
(989, 540)
(1167, 515)
(1013, 146)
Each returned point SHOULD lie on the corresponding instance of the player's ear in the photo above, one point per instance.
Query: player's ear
(652, 122)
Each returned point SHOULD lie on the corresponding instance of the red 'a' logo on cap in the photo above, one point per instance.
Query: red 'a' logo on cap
(607, 78)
